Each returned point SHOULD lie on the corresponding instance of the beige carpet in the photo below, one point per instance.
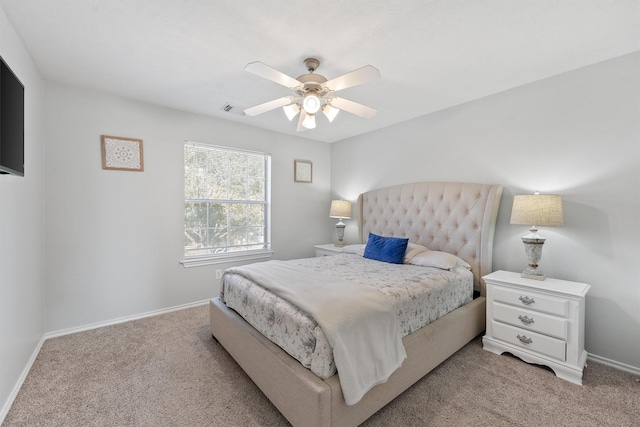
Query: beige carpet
(167, 371)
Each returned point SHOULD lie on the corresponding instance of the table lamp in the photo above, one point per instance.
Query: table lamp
(536, 210)
(340, 209)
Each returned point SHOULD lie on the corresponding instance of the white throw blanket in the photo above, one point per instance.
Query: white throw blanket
(359, 322)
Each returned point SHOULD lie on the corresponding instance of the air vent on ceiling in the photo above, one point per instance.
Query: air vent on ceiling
(233, 108)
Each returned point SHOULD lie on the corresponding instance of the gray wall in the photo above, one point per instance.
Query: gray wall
(577, 135)
(22, 287)
(114, 239)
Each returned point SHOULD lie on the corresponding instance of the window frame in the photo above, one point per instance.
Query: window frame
(245, 255)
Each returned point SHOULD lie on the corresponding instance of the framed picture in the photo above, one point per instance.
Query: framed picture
(123, 154)
(302, 171)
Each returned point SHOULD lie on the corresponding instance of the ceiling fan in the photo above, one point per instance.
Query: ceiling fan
(314, 93)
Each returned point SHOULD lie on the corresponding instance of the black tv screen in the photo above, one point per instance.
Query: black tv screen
(11, 122)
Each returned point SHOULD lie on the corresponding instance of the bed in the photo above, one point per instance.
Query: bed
(456, 218)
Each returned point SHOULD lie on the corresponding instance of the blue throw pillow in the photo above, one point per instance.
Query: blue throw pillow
(386, 249)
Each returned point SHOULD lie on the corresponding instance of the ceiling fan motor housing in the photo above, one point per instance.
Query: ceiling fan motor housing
(311, 83)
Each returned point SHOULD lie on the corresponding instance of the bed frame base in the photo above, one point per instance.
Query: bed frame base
(307, 400)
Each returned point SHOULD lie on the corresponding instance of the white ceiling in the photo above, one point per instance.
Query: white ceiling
(190, 54)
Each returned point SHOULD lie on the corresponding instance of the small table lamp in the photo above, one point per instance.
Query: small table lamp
(340, 209)
(536, 209)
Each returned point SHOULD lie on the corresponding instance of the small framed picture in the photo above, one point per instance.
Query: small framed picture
(302, 171)
(123, 154)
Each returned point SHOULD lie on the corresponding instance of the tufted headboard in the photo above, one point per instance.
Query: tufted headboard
(453, 217)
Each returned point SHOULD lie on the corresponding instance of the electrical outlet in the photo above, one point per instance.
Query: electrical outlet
(218, 274)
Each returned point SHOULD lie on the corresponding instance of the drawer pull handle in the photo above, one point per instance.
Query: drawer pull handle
(524, 339)
(527, 300)
(526, 320)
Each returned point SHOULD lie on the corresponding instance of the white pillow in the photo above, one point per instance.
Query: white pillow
(413, 250)
(437, 259)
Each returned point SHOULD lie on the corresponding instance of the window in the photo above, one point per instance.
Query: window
(226, 203)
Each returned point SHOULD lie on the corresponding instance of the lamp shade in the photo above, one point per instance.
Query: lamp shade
(309, 121)
(340, 209)
(330, 112)
(311, 104)
(291, 110)
(537, 209)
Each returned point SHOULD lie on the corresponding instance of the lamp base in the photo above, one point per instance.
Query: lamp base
(533, 249)
(535, 274)
(340, 229)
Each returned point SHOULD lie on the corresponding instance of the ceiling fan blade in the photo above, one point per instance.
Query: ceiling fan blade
(353, 107)
(357, 77)
(301, 128)
(268, 106)
(265, 71)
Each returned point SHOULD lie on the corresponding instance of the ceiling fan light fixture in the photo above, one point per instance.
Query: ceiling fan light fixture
(309, 121)
(291, 110)
(330, 112)
(311, 104)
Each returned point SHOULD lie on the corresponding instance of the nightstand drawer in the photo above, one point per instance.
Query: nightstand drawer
(529, 340)
(531, 320)
(531, 300)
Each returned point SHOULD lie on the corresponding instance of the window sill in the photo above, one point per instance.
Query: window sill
(224, 259)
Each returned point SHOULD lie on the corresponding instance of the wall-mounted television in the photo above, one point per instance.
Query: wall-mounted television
(11, 122)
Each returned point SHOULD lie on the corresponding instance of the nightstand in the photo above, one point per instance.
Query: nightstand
(538, 321)
(326, 250)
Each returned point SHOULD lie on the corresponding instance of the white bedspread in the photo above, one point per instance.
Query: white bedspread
(359, 322)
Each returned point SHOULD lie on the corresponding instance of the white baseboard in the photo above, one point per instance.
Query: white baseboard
(614, 364)
(18, 386)
(47, 335)
(96, 325)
